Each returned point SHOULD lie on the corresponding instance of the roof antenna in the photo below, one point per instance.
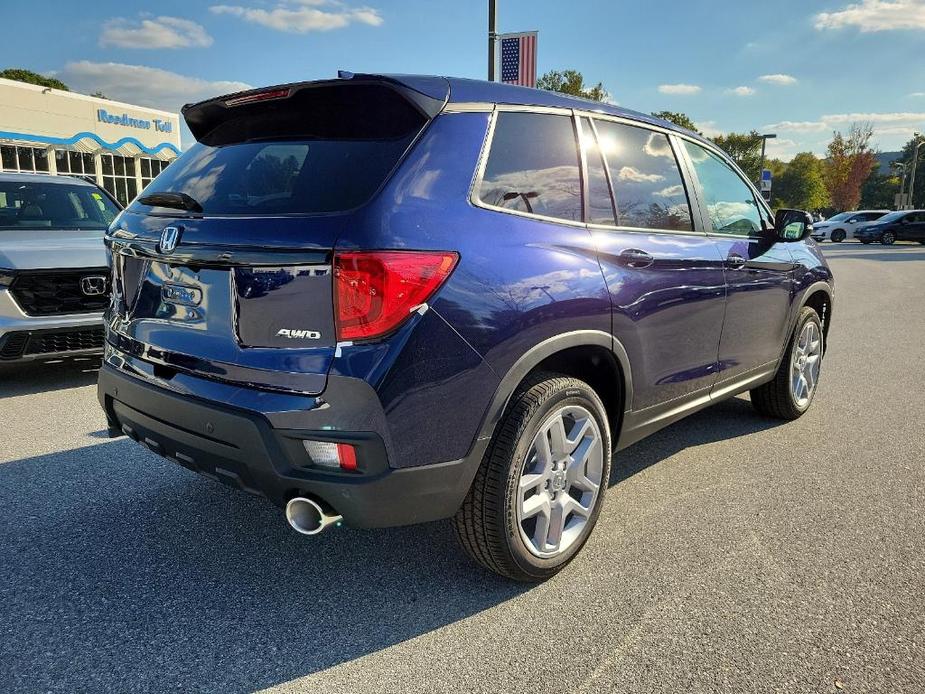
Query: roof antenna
(345, 75)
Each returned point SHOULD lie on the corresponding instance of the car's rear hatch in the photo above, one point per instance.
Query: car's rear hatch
(238, 286)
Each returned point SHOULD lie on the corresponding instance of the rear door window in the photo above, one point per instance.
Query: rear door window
(533, 166)
(647, 181)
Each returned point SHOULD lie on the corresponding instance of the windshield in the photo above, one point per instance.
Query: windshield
(840, 217)
(53, 205)
(892, 217)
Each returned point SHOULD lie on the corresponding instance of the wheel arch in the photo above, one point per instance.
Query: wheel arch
(573, 354)
(818, 296)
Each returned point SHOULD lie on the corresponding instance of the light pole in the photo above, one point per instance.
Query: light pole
(492, 38)
(902, 182)
(915, 161)
(764, 142)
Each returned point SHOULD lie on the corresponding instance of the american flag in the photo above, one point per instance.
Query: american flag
(518, 59)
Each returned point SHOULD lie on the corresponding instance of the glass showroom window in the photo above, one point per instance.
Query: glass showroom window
(24, 159)
(150, 168)
(119, 177)
(75, 163)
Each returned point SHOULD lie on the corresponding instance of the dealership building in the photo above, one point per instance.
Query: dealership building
(120, 146)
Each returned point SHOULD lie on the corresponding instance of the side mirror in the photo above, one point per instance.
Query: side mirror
(792, 225)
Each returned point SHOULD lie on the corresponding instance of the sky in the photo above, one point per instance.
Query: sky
(797, 68)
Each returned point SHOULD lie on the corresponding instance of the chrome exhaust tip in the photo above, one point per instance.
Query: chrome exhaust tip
(306, 516)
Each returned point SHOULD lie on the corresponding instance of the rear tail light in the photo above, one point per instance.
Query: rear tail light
(329, 454)
(375, 292)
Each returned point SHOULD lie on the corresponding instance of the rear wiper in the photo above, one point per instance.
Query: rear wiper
(177, 201)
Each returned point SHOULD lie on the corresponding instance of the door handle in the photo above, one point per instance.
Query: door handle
(633, 257)
(735, 261)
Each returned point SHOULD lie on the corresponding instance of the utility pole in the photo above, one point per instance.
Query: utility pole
(764, 142)
(915, 161)
(902, 182)
(492, 39)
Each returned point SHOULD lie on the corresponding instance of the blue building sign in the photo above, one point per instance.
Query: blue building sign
(161, 126)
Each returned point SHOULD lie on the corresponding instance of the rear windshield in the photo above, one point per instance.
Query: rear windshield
(321, 150)
(291, 177)
(39, 205)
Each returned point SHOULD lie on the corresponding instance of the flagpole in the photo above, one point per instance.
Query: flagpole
(492, 38)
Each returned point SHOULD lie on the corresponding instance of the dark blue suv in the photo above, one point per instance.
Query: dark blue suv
(396, 299)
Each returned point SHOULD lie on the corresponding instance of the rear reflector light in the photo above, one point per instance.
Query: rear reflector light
(329, 454)
(267, 95)
(376, 291)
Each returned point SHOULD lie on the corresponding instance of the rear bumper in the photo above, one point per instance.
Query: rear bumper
(244, 450)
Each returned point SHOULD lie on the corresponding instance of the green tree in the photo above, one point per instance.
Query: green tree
(849, 164)
(21, 75)
(879, 192)
(571, 82)
(801, 185)
(745, 150)
(680, 119)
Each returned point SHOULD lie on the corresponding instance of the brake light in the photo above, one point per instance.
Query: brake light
(266, 95)
(375, 292)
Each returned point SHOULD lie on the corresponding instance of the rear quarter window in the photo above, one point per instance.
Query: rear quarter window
(533, 166)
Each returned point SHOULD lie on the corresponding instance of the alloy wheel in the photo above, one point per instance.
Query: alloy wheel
(805, 364)
(560, 481)
(888, 238)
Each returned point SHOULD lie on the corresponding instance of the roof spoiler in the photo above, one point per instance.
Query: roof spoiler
(426, 94)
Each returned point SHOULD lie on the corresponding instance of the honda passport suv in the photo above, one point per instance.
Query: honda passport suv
(388, 300)
(54, 279)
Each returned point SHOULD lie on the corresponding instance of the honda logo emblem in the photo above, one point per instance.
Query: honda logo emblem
(93, 285)
(169, 239)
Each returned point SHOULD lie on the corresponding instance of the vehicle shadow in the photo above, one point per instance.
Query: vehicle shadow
(728, 419)
(857, 251)
(31, 377)
(120, 567)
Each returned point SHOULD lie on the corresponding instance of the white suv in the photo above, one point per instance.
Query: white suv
(54, 279)
(842, 226)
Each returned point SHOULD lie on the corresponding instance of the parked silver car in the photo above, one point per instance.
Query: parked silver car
(54, 280)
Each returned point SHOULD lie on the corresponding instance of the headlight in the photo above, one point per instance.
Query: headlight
(6, 277)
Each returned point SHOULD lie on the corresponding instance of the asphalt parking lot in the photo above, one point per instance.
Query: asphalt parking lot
(734, 553)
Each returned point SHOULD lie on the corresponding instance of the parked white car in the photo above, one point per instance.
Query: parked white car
(842, 226)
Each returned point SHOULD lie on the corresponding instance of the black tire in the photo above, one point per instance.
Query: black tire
(775, 398)
(866, 243)
(838, 236)
(887, 238)
(486, 524)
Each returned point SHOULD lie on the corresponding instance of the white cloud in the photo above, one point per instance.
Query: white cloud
(891, 130)
(628, 173)
(670, 191)
(303, 17)
(783, 148)
(741, 91)
(780, 79)
(708, 128)
(142, 85)
(157, 32)
(679, 89)
(841, 118)
(917, 95)
(801, 126)
(875, 15)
